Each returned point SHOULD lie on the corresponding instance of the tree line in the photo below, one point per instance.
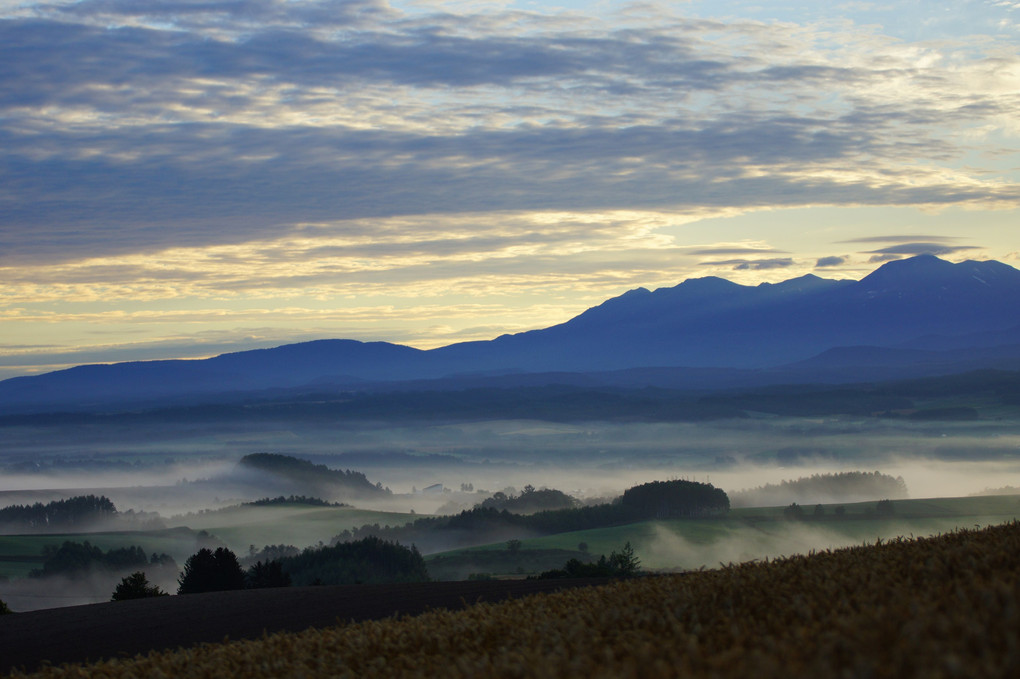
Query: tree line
(73, 513)
(76, 559)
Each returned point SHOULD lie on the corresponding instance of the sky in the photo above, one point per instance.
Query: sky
(183, 178)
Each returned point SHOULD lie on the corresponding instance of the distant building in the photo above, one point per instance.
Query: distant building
(434, 489)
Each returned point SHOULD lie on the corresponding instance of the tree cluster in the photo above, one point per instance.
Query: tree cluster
(73, 512)
(293, 500)
(211, 571)
(319, 477)
(369, 560)
(852, 486)
(530, 501)
(75, 559)
(216, 571)
(675, 499)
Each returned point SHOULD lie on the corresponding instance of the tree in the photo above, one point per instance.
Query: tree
(136, 586)
(3, 608)
(819, 511)
(582, 547)
(269, 574)
(513, 546)
(624, 562)
(208, 571)
(794, 511)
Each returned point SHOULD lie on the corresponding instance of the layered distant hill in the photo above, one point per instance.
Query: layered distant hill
(910, 318)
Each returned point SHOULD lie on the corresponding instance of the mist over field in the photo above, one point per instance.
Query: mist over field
(177, 469)
(191, 488)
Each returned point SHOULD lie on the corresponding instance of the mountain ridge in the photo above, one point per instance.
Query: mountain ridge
(921, 311)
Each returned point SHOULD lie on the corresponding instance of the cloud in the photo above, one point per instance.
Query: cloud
(131, 127)
(829, 261)
(910, 249)
(753, 264)
(735, 251)
(901, 239)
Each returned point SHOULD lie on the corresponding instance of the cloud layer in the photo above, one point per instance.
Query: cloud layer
(358, 149)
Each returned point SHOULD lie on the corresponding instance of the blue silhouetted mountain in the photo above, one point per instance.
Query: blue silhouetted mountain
(711, 322)
(147, 382)
(922, 312)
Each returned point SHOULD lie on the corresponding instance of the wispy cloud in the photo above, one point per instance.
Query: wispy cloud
(753, 264)
(910, 249)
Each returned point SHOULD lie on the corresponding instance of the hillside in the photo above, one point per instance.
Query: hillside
(907, 608)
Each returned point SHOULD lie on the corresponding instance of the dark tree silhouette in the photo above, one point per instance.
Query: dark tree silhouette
(136, 586)
(362, 561)
(3, 608)
(624, 562)
(79, 558)
(673, 499)
(77, 511)
(269, 574)
(208, 571)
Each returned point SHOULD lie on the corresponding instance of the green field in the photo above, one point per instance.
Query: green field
(759, 533)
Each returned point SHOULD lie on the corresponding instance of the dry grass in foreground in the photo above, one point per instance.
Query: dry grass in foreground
(947, 606)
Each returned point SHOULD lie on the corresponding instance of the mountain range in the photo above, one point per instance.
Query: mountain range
(914, 317)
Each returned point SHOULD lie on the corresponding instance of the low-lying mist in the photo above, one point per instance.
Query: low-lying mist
(30, 594)
(669, 550)
(154, 468)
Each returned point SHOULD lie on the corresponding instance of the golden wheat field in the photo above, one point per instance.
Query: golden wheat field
(947, 606)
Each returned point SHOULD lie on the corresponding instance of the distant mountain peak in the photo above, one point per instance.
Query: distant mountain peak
(924, 271)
